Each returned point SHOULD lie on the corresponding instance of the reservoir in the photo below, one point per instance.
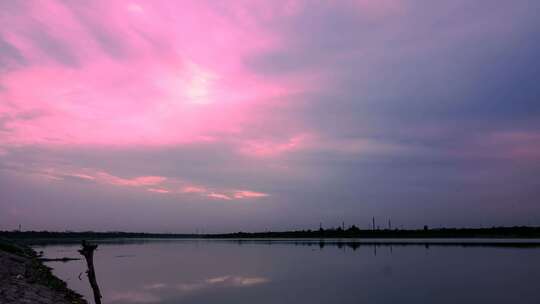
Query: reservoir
(305, 271)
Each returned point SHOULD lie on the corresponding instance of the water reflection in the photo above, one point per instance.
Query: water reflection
(227, 280)
(132, 297)
(308, 271)
(150, 293)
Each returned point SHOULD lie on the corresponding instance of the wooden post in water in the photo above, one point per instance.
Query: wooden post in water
(87, 251)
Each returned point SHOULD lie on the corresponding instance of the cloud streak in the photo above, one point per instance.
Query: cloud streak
(155, 184)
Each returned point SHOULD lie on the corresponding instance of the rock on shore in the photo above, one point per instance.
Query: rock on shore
(24, 279)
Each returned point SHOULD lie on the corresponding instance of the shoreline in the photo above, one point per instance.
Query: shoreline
(25, 279)
(518, 236)
(353, 232)
(321, 242)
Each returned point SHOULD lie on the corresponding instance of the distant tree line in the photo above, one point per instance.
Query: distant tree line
(337, 232)
(355, 232)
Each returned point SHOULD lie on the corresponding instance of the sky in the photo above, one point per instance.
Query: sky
(220, 116)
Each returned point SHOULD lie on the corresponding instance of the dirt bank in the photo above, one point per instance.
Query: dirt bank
(24, 279)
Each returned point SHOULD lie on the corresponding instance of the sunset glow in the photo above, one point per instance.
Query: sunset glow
(317, 111)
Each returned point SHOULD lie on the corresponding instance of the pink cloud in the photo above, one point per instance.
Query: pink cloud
(219, 196)
(129, 73)
(158, 190)
(81, 176)
(98, 176)
(134, 182)
(273, 148)
(239, 194)
(224, 194)
(48, 176)
(193, 189)
(156, 184)
(249, 194)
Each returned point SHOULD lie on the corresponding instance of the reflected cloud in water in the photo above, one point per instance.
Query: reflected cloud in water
(225, 281)
(155, 286)
(133, 297)
(237, 281)
(219, 281)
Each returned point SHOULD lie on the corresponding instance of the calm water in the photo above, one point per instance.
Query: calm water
(229, 272)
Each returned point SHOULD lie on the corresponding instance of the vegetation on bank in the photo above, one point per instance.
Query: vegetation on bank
(11, 247)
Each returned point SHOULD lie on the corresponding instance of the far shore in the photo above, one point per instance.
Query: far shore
(499, 236)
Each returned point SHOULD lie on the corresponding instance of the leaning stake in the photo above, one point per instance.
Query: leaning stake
(88, 252)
